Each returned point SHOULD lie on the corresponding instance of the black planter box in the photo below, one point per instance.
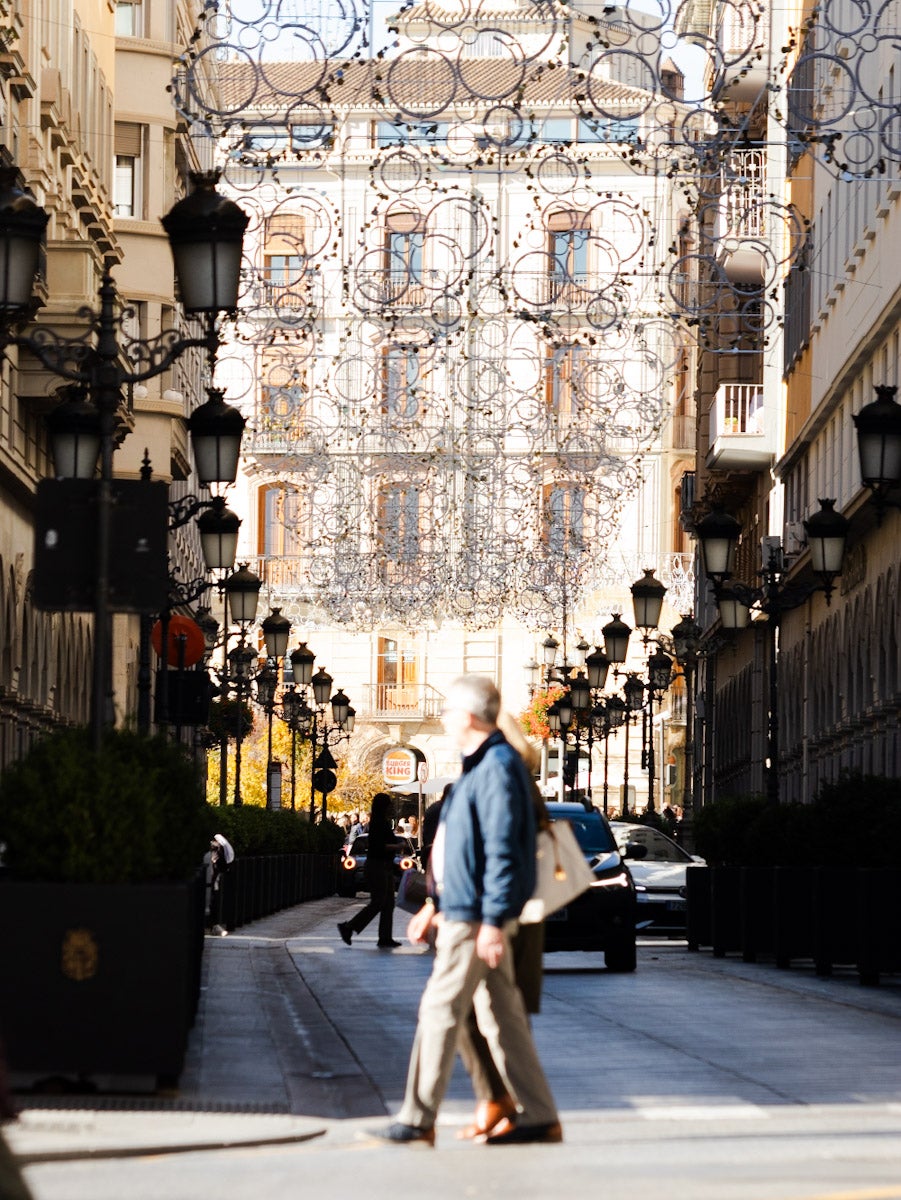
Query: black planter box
(99, 979)
(794, 919)
(697, 896)
(758, 915)
(878, 939)
(835, 919)
(725, 910)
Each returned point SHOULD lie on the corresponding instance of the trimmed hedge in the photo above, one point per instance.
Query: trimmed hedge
(855, 822)
(132, 813)
(253, 830)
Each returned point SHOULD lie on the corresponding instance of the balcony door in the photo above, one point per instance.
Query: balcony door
(397, 675)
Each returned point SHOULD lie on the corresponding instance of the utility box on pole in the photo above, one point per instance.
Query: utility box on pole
(274, 785)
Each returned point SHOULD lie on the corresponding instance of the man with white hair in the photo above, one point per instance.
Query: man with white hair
(483, 862)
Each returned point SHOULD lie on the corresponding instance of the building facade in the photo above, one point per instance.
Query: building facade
(459, 375)
(86, 118)
(795, 227)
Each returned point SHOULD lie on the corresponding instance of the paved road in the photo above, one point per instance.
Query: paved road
(693, 1079)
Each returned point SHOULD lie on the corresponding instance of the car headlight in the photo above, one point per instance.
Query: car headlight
(619, 880)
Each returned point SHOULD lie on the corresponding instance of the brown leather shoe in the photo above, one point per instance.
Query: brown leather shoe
(489, 1113)
(508, 1133)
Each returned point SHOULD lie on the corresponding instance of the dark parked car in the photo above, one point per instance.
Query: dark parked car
(603, 917)
(353, 863)
(657, 865)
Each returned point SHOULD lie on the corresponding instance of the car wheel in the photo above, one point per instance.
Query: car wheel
(621, 957)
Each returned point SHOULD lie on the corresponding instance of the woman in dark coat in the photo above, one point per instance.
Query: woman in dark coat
(379, 876)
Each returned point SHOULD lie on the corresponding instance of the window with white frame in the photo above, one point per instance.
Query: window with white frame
(129, 19)
(127, 175)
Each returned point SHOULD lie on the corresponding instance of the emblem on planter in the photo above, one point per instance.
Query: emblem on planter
(80, 954)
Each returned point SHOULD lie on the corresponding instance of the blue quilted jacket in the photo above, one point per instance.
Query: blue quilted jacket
(489, 831)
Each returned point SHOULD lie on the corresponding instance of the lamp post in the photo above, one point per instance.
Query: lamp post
(241, 662)
(242, 591)
(267, 684)
(291, 703)
(297, 713)
(329, 733)
(205, 232)
(660, 673)
(312, 723)
(606, 717)
(647, 602)
(686, 637)
(718, 535)
(572, 710)
(276, 633)
(216, 441)
(633, 690)
(596, 666)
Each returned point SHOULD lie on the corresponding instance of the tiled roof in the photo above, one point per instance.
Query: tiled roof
(478, 14)
(423, 84)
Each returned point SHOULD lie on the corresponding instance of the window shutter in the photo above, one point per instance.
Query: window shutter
(129, 138)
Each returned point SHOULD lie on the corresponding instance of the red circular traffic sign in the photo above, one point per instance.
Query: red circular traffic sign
(179, 627)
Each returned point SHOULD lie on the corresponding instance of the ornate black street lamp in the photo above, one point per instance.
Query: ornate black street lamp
(217, 446)
(276, 634)
(205, 232)
(312, 723)
(606, 717)
(242, 593)
(686, 637)
(633, 691)
(718, 535)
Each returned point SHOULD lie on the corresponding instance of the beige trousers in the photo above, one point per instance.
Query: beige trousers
(452, 990)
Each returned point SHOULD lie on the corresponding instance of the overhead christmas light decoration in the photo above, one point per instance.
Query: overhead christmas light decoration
(486, 241)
